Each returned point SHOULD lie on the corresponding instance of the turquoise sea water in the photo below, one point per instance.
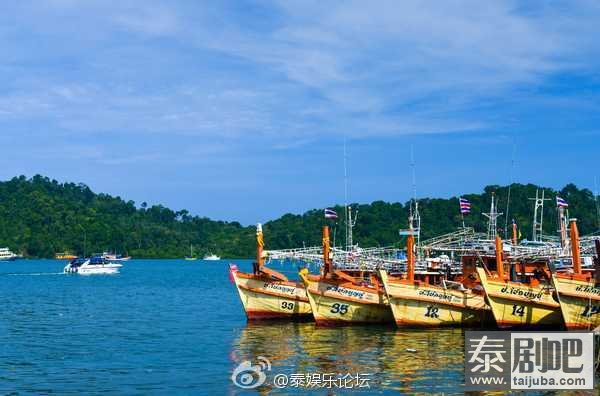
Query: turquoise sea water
(178, 327)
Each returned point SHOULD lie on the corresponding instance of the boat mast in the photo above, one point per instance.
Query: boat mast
(562, 225)
(410, 252)
(326, 255)
(493, 220)
(512, 168)
(259, 248)
(538, 215)
(575, 252)
(415, 217)
(350, 222)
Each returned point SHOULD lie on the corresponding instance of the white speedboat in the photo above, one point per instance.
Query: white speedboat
(91, 266)
(211, 257)
(7, 255)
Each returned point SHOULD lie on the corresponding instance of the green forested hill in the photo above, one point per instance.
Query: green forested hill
(39, 217)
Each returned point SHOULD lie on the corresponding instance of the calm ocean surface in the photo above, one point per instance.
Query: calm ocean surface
(178, 327)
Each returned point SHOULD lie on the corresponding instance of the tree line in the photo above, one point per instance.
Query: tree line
(40, 217)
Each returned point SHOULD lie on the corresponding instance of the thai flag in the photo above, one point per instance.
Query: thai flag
(465, 206)
(330, 214)
(232, 270)
(561, 203)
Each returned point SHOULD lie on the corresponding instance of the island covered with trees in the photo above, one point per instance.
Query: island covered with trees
(40, 216)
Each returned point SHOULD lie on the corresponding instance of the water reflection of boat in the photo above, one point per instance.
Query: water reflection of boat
(268, 294)
(337, 297)
(405, 361)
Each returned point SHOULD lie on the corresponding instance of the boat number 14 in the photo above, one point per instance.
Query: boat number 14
(518, 310)
(342, 309)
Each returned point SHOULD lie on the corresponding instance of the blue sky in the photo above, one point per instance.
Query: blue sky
(238, 110)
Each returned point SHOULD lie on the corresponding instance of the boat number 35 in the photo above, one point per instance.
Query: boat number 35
(342, 309)
(432, 312)
(518, 310)
(287, 305)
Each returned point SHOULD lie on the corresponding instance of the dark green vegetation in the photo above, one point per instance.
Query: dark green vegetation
(39, 217)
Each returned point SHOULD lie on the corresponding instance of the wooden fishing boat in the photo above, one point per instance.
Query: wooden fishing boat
(420, 303)
(579, 292)
(526, 304)
(268, 294)
(337, 297)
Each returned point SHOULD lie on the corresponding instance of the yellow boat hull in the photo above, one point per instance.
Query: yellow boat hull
(333, 304)
(418, 304)
(521, 305)
(270, 299)
(579, 302)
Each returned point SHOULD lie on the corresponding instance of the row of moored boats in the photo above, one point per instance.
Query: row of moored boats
(458, 279)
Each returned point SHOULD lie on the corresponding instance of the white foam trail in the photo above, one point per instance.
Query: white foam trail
(38, 274)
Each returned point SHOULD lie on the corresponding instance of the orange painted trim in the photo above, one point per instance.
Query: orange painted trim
(344, 298)
(576, 277)
(265, 279)
(533, 302)
(404, 282)
(440, 302)
(272, 293)
(273, 274)
(348, 285)
(505, 283)
(579, 296)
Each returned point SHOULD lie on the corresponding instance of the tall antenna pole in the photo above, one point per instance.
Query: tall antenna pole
(511, 181)
(493, 220)
(414, 177)
(346, 192)
(416, 217)
(350, 222)
(538, 215)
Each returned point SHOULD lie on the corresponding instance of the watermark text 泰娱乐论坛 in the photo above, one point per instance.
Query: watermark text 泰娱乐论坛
(249, 376)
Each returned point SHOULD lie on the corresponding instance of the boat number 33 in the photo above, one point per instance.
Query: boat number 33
(287, 305)
(342, 309)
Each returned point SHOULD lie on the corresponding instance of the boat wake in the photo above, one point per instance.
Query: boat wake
(36, 274)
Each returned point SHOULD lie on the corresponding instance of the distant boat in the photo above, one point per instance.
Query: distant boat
(211, 257)
(191, 257)
(92, 266)
(114, 257)
(7, 255)
(65, 256)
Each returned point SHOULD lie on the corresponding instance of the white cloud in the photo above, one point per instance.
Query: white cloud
(299, 70)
